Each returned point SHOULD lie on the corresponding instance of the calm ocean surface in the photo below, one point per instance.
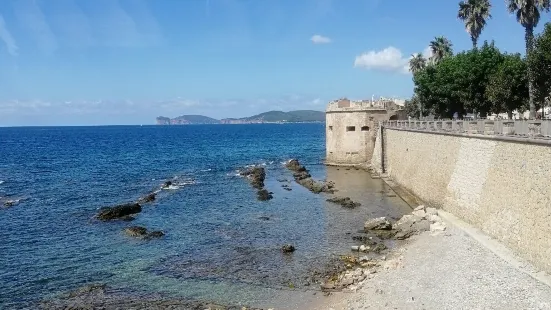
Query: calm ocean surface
(216, 246)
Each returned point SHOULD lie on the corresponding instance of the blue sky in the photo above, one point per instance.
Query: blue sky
(83, 62)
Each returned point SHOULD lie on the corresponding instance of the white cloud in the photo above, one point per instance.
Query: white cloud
(6, 36)
(427, 52)
(319, 39)
(32, 18)
(389, 59)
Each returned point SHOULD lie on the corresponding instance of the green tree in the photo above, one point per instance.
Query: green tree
(528, 15)
(507, 88)
(417, 63)
(412, 107)
(441, 48)
(458, 83)
(474, 13)
(540, 58)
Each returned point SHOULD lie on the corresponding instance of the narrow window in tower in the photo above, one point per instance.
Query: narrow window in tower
(350, 128)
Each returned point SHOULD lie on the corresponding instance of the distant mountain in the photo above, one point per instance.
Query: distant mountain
(300, 116)
(186, 120)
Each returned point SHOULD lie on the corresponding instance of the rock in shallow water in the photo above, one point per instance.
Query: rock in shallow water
(288, 248)
(119, 211)
(136, 231)
(141, 232)
(264, 195)
(148, 198)
(344, 201)
(303, 177)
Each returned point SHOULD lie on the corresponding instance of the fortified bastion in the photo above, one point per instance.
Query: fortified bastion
(351, 128)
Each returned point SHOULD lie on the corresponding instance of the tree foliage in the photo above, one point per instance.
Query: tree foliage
(528, 15)
(461, 83)
(540, 58)
(474, 13)
(507, 88)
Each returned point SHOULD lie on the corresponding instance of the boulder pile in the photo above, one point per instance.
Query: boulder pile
(420, 220)
(303, 177)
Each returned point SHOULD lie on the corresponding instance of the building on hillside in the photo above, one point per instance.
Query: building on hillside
(351, 128)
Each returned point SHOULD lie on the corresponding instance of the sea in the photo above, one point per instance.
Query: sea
(221, 244)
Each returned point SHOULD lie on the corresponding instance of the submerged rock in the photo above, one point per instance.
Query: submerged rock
(288, 248)
(141, 232)
(100, 296)
(264, 195)
(11, 203)
(119, 211)
(155, 234)
(344, 201)
(148, 198)
(136, 231)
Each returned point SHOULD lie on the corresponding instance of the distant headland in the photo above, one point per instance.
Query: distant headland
(299, 116)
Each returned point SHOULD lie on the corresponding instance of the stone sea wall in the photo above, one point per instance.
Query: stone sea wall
(500, 185)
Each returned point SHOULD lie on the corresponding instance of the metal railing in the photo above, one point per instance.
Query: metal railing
(539, 129)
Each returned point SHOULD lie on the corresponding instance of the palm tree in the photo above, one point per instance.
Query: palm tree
(417, 63)
(528, 15)
(474, 14)
(441, 48)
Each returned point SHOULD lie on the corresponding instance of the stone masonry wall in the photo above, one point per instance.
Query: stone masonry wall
(348, 147)
(502, 187)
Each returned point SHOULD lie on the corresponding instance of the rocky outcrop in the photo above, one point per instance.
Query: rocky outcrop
(344, 201)
(303, 177)
(142, 233)
(119, 211)
(256, 176)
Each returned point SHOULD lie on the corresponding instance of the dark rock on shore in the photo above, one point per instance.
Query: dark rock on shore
(119, 211)
(264, 195)
(288, 248)
(344, 201)
(303, 177)
(100, 296)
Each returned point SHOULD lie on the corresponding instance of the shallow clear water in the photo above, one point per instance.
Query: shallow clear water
(216, 246)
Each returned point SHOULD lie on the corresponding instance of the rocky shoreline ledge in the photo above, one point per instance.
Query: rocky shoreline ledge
(372, 251)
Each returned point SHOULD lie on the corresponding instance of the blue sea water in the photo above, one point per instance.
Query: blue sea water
(216, 247)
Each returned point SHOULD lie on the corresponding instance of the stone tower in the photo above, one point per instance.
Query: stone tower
(351, 129)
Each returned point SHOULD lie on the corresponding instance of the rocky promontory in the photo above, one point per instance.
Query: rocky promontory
(302, 176)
